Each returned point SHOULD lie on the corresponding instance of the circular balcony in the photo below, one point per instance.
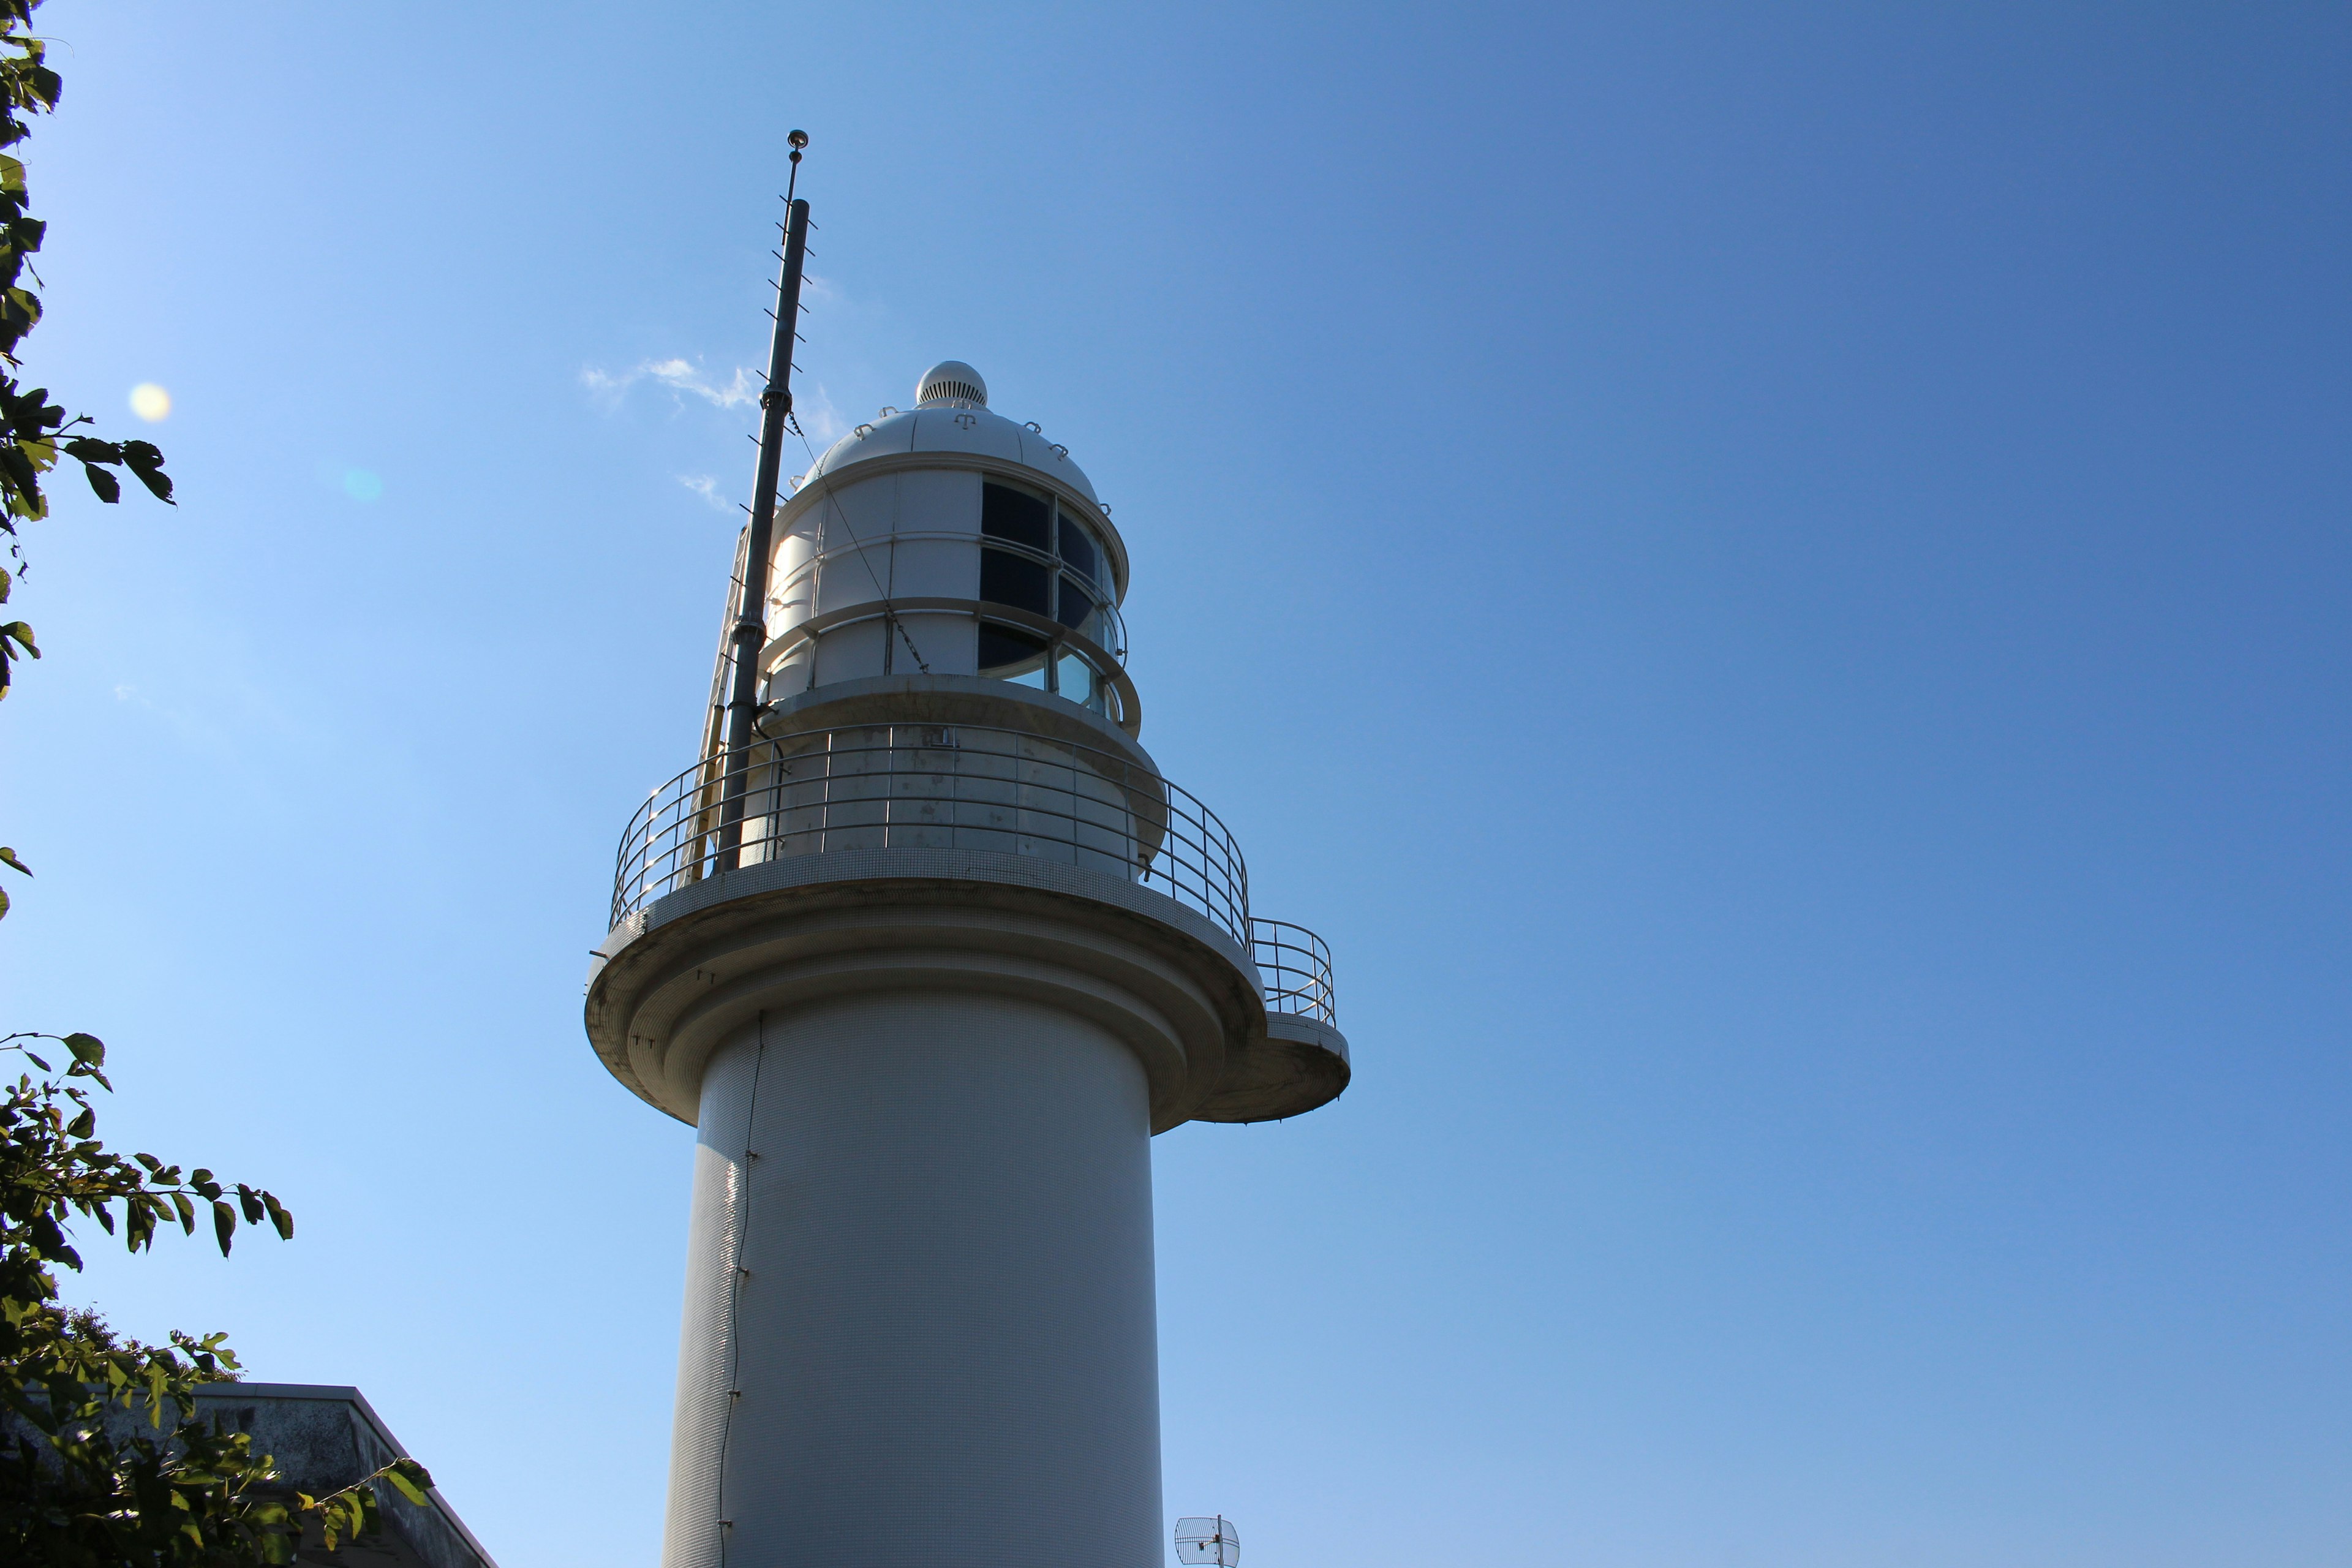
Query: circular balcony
(969, 788)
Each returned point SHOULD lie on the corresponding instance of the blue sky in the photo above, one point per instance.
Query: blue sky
(1772, 578)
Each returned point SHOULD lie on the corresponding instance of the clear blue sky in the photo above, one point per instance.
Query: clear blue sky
(1773, 579)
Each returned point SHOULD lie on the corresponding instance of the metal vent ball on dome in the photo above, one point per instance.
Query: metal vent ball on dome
(952, 381)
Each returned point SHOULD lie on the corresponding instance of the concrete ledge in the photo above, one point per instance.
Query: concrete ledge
(1300, 1063)
(664, 987)
(666, 983)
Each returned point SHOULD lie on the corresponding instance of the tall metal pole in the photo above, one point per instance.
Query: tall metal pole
(752, 608)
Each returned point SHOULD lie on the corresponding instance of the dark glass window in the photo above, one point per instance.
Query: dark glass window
(1077, 603)
(1078, 550)
(1005, 653)
(1015, 580)
(1016, 515)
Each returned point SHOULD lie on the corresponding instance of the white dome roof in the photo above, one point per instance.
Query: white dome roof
(953, 425)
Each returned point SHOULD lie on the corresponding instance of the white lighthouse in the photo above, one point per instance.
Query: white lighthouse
(927, 955)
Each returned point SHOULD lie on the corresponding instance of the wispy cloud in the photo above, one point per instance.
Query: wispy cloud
(706, 487)
(679, 376)
(812, 405)
(816, 411)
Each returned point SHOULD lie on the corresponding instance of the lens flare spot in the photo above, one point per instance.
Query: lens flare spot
(360, 485)
(150, 401)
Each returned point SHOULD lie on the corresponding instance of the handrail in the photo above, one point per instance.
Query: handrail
(1129, 716)
(1105, 603)
(938, 786)
(1296, 965)
(966, 786)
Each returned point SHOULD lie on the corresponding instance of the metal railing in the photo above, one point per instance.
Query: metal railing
(1297, 968)
(962, 786)
(965, 786)
(1104, 625)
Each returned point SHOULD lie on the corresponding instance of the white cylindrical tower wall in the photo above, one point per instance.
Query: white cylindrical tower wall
(919, 1322)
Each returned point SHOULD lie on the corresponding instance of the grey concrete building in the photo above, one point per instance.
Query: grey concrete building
(324, 1438)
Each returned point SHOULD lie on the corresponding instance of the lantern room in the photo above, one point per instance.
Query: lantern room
(945, 539)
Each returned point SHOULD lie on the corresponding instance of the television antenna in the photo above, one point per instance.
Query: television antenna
(1213, 1540)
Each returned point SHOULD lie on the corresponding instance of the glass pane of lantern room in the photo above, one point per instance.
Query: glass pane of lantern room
(1016, 515)
(1077, 606)
(1075, 680)
(1009, 655)
(1015, 580)
(1078, 548)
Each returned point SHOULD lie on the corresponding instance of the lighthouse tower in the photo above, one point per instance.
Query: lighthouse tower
(927, 951)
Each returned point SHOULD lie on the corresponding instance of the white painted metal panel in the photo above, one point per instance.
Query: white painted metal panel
(846, 653)
(950, 645)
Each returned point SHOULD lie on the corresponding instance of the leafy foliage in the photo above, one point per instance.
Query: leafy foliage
(104, 1459)
(34, 432)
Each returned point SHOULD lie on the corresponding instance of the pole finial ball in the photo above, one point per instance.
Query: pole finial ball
(798, 139)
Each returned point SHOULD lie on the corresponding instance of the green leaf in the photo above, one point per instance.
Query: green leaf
(108, 488)
(224, 1224)
(89, 1049)
(144, 459)
(22, 633)
(188, 1213)
(8, 858)
(412, 1480)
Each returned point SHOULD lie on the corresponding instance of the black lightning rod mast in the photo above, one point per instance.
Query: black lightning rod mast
(752, 607)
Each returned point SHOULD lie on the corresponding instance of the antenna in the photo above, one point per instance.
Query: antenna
(1213, 1540)
(752, 607)
(796, 140)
